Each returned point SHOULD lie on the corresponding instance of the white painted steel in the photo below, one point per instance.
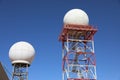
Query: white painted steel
(91, 73)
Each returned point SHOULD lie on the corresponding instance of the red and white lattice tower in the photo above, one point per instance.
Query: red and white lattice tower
(78, 47)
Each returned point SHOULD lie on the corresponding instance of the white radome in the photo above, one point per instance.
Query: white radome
(21, 52)
(76, 17)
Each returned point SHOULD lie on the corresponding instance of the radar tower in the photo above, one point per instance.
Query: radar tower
(78, 58)
(21, 55)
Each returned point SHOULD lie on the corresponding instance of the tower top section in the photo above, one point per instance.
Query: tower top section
(21, 53)
(76, 17)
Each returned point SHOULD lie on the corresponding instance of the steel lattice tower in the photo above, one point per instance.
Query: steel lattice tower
(20, 71)
(78, 58)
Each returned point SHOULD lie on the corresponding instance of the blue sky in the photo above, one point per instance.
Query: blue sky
(40, 22)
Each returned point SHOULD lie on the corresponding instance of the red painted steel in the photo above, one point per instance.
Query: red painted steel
(84, 33)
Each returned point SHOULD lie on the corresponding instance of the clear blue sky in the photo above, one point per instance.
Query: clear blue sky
(40, 22)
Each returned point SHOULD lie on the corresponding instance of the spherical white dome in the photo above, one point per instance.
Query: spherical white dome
(77, 17)
(21, 52)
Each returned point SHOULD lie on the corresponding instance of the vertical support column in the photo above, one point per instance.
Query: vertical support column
(63, 71)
